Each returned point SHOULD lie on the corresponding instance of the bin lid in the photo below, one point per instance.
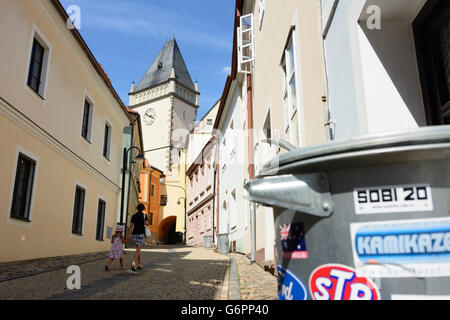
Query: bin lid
(407, 145)
(298, 179)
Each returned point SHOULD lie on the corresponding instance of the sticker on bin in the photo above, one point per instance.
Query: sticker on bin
(339, 282)
(402, 248)
(293, 242)
(290, 287)
(387, 199)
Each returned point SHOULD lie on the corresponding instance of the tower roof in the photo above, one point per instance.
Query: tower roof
(160, 71)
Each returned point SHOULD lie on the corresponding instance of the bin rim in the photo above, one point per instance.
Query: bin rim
(402, 138)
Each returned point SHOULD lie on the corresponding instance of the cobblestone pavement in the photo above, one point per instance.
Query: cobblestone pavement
(254, 282)
(27, 268)
(170, 273)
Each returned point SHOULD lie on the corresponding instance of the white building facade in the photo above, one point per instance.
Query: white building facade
(231, 168)
(378, 66)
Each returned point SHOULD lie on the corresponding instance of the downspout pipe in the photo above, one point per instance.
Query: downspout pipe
(217, 188)
(251, 165)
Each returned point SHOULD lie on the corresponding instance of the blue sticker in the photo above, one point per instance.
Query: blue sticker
(402, 248)
(290, 287)
(404, 242)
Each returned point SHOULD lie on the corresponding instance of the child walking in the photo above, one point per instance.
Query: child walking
(116, 252)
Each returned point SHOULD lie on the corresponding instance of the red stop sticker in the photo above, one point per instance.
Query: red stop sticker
(339, 282)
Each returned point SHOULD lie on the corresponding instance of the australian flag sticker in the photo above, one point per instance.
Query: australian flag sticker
(293, 242)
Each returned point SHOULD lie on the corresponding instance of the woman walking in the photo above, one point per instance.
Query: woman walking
(137, 226)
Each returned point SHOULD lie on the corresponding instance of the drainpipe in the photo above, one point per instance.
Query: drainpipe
(251, 166)
(217, 188)
(132, 124)
(214, 205)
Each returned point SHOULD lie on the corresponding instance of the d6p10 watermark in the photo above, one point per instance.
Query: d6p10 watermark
(374, 19)
(74, 281)
(74, 20)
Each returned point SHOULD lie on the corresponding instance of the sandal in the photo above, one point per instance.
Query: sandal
(140, 267)
(133, 267)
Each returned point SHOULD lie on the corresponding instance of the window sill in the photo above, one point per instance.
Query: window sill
(77, 234)
(36, 93)
(20, 219)
(86, 141)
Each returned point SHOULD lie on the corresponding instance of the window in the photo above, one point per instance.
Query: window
(245, 44)
(209, 122)
(261, 12)
(152, 190)
(100, 219)
(78, 210)
(163, 200)
(107, 141)
(23, 188)
(36, 64)
(267, 129)
(87, 121)
(150, 218)
(432, 33)
(290, 99)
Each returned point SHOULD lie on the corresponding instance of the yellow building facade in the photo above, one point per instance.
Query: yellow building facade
(61, 129)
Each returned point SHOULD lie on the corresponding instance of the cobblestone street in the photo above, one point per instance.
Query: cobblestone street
(170, 273)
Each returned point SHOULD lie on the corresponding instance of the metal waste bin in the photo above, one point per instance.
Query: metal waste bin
(223, 243)
(207, 241)
(367, 218)
(178, 237)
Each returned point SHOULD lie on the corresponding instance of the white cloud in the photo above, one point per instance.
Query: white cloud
(226, 70)
(143, 18)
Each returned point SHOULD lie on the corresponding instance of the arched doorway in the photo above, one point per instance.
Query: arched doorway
(166, 230)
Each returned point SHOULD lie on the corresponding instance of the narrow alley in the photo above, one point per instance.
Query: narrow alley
(169, 273)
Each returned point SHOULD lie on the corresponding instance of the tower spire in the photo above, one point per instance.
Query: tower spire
(169, 60)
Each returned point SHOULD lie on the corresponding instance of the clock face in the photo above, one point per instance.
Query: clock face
(150, 116)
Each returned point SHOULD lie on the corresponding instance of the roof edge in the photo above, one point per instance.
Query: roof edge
(232, 76)
(76, 34)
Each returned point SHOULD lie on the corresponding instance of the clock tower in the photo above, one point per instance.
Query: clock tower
(167, 101)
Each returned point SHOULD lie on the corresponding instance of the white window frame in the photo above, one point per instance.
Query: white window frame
(9, 220)
(91, 102)
(83, 186)
(108, 146)
(292, 129)
(241, 31)
(37, 35)
(101, 197)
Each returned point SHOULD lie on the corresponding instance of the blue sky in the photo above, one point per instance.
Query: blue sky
(125, 36)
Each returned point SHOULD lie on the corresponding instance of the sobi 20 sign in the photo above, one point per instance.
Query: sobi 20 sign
(339, 282)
